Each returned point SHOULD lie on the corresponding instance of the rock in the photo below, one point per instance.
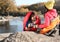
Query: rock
(30, 37)
(4, 35)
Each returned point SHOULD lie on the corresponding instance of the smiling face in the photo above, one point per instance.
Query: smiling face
(33, 18)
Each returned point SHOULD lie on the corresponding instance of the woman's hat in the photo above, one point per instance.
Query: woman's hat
(49, 4)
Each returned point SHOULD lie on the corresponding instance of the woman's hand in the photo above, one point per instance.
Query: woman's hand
(30, 25)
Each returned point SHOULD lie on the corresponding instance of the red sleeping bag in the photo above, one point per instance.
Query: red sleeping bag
(26, 18)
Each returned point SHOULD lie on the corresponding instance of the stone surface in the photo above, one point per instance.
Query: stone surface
(29, 37)
(4, 35)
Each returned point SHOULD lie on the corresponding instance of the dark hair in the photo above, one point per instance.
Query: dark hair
(32, 14)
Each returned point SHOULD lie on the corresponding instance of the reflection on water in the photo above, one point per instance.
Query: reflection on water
(15, 25)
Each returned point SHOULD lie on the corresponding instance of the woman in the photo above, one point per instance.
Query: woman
(49, 15)
(31, 22)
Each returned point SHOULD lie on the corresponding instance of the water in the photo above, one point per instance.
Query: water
(15, 25)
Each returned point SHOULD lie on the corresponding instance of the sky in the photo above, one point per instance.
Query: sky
(27, 2)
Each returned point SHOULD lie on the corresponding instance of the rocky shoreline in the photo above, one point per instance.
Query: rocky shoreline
(28, 37)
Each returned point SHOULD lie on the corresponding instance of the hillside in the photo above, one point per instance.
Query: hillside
(9, 8)
(40, 6)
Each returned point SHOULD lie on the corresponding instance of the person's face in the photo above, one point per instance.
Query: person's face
(33, 18)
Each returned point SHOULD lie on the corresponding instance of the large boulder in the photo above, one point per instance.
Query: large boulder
(30, 37)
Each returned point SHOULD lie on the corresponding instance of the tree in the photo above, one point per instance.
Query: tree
(7, 6)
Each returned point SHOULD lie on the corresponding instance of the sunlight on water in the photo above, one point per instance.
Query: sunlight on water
(16, 25)
(18, 22)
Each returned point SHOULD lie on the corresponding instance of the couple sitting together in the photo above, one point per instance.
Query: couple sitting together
(32, 22)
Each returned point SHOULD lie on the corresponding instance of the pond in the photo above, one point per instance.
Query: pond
(15, 25)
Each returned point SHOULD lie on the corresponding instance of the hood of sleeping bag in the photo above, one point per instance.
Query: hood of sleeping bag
(26, 18)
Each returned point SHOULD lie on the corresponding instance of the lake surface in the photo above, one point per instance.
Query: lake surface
(15, 25)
